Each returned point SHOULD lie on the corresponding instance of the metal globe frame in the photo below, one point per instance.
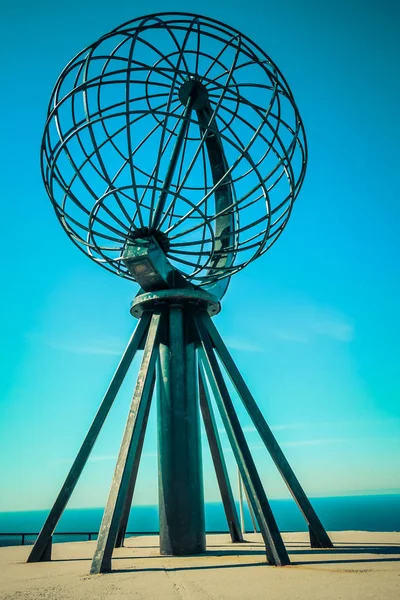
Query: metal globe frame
(173, 152)
(123, 98)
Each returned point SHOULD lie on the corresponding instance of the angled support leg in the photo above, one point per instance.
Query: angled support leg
(138, 415)
(319, 537)
(132, 481)
(252, 517)
(240, 490)
(42, 549)
(219, 462)
(274, 546)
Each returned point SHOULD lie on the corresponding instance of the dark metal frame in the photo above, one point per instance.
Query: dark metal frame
(198, 331)
(236, 163)
(120, 101)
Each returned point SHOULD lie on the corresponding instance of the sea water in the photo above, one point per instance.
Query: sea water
(368, 513)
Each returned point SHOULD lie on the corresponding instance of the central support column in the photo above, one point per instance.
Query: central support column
(181, 499)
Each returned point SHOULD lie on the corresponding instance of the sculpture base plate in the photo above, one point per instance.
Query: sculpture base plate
(198, 298)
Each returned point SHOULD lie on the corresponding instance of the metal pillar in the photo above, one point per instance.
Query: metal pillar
(319, 537)
(181, 502)
(132, 481)
(219, 462)
(252, 517)
(275, 549)
(41, 550)
(130, 446)
(241, 511)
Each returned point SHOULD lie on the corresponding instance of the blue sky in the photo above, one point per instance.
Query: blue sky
(313, 324)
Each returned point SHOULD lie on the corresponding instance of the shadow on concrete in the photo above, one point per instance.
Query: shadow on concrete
(257, 564)
(299, 557)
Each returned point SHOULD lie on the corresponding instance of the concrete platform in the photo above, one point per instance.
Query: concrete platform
(363, 565)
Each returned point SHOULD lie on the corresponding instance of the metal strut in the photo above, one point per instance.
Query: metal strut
(274, 546)
(217, 455)
(132, 480)
(41, 550)
(318, 535)
(128, 455)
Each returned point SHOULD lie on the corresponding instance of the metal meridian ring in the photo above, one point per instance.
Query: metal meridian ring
(195, 297)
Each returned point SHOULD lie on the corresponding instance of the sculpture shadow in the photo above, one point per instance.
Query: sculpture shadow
(299, 556)
(334, 556)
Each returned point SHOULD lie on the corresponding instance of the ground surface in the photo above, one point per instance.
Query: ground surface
(363, 565)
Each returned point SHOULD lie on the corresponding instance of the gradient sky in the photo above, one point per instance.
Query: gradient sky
(313, 325)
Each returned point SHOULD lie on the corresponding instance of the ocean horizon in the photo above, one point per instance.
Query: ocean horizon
(338, 513)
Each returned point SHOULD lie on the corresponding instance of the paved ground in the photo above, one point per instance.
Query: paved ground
(363, 565)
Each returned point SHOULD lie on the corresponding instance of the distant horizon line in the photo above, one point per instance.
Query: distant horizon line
(349, 495)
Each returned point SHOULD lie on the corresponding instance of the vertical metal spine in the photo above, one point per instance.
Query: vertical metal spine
(181, 501)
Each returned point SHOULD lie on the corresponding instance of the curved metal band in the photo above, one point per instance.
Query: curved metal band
(224, 222)
(147, 301)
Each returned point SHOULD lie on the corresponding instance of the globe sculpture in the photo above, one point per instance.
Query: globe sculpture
(173, 153)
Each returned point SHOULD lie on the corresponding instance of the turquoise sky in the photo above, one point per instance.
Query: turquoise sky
(314, 324)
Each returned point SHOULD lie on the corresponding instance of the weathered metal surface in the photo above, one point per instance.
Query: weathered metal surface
(181, 501)
(38, 552)
(179, 143)
(48, 549)
(217, 455)
(320, 538)
(240, 490)
(226, 208)
(132, 480)
(252, 516)
(275, 549)
(192, 297)
(146, 261)
(131, 444)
